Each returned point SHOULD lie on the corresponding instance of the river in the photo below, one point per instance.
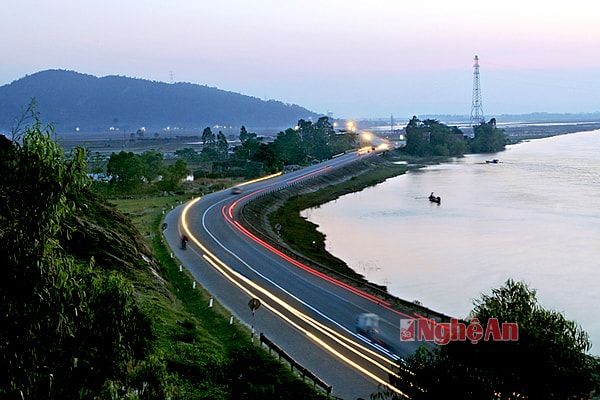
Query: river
(534, 216)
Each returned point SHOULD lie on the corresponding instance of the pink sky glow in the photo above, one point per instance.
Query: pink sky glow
(351, 58)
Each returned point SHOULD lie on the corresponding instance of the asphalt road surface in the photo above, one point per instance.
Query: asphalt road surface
(307, 314)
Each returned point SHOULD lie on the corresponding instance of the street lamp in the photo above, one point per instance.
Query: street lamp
(351, 126)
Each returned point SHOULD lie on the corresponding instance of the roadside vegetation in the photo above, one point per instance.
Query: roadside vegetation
(92, 309)
(93, 305)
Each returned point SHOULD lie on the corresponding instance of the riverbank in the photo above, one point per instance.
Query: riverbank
(300, 238)
(447, 285)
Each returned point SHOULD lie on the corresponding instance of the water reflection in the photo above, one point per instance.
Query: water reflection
(532, 217)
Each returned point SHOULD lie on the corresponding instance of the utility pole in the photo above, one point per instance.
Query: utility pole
(476, 106)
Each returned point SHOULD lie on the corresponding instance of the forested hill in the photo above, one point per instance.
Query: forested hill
(74, 100)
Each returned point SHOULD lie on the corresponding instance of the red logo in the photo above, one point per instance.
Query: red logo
(407, 330)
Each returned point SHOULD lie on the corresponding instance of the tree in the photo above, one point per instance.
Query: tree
(124, 168)
(324, 134)
(209, 145)
(340, 142)
(222, 146)
(265, 154)
(549, 359)
(208, 154)
(208, 137)
(173, 175)
(415, 139)
(151, 163)
(288, 147)
(244, 135)
(309, 137)
(432, 138)
(188, 154)
(249, 145)
(488, 138)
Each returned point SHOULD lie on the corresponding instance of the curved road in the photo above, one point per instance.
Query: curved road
(307, 314)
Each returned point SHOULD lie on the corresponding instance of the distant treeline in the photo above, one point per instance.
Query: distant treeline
(306, 143)
(432, 138)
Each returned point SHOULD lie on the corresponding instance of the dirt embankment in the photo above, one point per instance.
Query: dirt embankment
(325, 187)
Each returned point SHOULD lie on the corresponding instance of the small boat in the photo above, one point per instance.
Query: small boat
(435, 199)
(494, 161)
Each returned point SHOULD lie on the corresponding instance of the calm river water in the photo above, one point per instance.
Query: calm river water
(535, 216)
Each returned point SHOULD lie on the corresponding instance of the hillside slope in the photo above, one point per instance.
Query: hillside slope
(74, 100)
(198, 353)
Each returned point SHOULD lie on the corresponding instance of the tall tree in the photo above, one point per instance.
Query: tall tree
(432, 138)
(209, 145)
(244, 135)
(222, 145)
(488, 138)
(265, 154)
(151, 164)
(324, 134)
(415, 139)
(125, 168)
(208, 137)
(173, 175)
(289, 148)
(249, 145)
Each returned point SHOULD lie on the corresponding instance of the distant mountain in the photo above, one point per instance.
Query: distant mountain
(73, 100)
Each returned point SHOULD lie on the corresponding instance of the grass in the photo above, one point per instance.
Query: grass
(143, 211)
(208, 356)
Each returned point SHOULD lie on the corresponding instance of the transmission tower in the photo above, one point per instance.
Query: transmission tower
(476, 107)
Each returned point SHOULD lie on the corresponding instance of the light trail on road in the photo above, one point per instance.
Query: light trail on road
(323, 333)
(229, 216)
(359, 350)
(342, 343)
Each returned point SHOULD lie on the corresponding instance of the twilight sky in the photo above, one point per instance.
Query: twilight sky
(351, 58)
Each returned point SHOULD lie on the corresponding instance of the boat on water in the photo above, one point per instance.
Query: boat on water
(494, 161)
(435, 199)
